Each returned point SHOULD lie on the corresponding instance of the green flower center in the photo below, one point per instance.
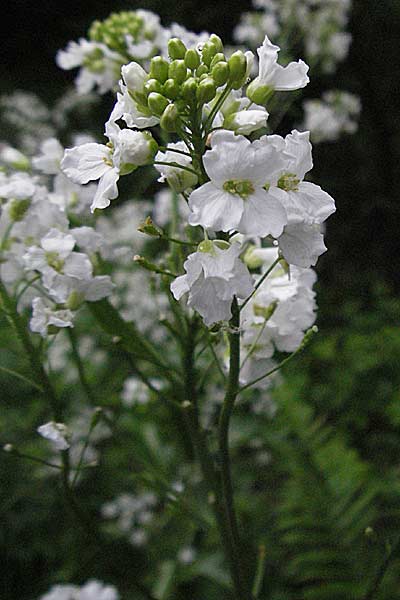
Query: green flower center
(54, 261)
(239, 187)
(289, 182)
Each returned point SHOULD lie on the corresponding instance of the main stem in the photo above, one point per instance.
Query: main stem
(223, 439)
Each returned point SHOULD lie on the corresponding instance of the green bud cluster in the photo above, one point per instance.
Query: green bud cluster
(190, 78)
(113, 31)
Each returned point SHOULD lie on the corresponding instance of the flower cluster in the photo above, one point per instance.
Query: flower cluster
(92, 590)
(119, 39)
(46, 260)
(321, 24)
(335, 113)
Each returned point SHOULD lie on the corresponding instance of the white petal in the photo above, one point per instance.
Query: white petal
(262, 215)
(292, 77)
(86, 162)
(215, 209)
(302, 244)
(107, 190)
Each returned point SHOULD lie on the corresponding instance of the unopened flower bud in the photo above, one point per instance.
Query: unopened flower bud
(169, 118)
(177, 70)
(171, 89)
(176, 48)
(159, 68)
(150, 228)
(206, 90)
(74, 301)
(220, 73)
(157, 103)
(257, 93)
(208, 52)
(192, 59)
(18, 208)
(217, 58)
(8, 448)
(189, 89)
(137, 147)
(203, 69)
(216, 40)
(134, 76)
(237, 66)
(153, 85)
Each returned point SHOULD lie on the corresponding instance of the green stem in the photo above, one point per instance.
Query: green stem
(268, 373)
(176, 166)
(260, 282)
(223, 442)
(260, 572)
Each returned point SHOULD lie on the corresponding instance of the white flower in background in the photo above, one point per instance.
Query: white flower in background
(99, 65)
(273, 76)
(55, 255)
(46, 319)
(17, 186)
(135, 392)
(51, 153)
(235, 198)
(56, 433)
(106, 162)
(163, 209)
(335, 113)
(178, 179)
(92, 590)
(213, 277)
(133, 514)
(11, 157)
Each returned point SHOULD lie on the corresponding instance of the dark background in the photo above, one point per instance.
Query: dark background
(361, 172)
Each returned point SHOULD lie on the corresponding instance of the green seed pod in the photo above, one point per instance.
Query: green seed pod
(189, 89)
(171, 89)
(153, 85)
(169, 119)
(178, 71)
(201, 70)
(217, 58)
(192, 59)
(208, 52)
(206, 90)
(216, 40)
(237, 66)
(157, 103)
(159, 69)
(220, 73)
(176, 49)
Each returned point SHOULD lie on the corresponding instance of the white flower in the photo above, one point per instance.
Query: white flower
(235, 198)
(213, 277)
(278, 314)
(125, 151)
(99, 65)
(130, 101)
(92, 590)
(273, 76)
(307, 205)
(245, 122)
(44, 317)
(178, 179)
(48, 161)
(56, 433)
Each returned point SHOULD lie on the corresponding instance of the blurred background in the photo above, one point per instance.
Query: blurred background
(350, 376)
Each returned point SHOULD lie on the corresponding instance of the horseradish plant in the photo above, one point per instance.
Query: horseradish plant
(233, 237)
